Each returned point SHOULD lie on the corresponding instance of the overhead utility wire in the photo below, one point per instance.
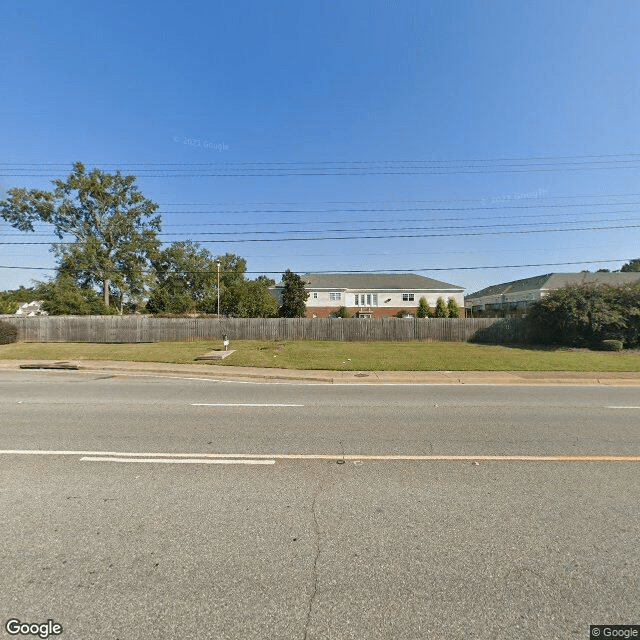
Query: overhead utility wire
(505, 197)
(377, 161)
(394, 228)
(506, 266)
(334, 173)
(384, 237)
(348, 168)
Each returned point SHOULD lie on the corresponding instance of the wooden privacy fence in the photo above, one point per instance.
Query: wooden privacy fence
(138, 328)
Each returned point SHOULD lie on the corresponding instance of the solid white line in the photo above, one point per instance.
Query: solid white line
(331, 456)
(176, 461)
(242, 404)
(623, 407)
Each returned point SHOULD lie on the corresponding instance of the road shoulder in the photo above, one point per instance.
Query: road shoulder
(342, 377)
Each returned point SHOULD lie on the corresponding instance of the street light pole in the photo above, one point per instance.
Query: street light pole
(218, 263)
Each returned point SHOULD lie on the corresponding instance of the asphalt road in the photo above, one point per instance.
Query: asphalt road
(120, 519)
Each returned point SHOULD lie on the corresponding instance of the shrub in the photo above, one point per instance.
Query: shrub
(453, 309)
(8, 306)
(423, 309)
(402, 313)
(8, 333)
(341, 312)
(611, 345)
(441, 310)
(586, 315)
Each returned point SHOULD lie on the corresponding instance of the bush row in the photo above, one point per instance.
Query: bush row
(588, 316)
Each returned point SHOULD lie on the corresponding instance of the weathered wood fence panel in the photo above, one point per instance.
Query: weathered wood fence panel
(150, 329)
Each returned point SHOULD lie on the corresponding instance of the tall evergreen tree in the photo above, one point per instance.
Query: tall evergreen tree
(441, 310)
(453, 309)
(294, 296)
(423, 309)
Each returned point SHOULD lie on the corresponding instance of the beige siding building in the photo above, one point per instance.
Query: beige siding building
(513, 298)
(372, 295)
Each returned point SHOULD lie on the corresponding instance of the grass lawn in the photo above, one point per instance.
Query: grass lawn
(342, 356)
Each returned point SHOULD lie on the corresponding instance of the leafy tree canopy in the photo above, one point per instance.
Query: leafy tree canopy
(63, 296)
(11, 300)
(186, 280)
(109, 228)
(632, 265)
(252, 299)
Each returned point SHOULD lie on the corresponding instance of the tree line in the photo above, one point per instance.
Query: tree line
(110, 258)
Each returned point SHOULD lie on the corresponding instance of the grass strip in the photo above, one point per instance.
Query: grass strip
(341, 356)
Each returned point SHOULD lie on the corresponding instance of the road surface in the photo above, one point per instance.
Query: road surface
(146, 507)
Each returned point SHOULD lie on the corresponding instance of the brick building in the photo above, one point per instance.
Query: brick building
(372, 295)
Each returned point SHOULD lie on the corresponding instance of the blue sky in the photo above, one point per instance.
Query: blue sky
(422, 98)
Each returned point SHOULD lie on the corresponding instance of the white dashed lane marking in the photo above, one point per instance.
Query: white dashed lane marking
(242, 404)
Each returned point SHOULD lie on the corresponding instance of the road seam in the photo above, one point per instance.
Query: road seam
(314, 574)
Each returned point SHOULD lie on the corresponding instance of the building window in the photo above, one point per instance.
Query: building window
(335, 295)
(366, 299)
(315, 294)
(408, 297)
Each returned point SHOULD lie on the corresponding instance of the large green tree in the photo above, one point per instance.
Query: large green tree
(107, 228)
(254, 300)
(294, 296)
(186, 280)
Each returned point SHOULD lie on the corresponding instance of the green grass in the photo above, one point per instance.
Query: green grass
(342, 356)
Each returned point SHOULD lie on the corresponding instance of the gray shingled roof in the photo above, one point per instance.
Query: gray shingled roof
(552, 281)
(386, 281)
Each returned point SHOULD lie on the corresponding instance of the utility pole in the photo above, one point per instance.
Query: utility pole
(218, 263)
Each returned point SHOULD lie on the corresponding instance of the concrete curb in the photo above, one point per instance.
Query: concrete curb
(565, 378)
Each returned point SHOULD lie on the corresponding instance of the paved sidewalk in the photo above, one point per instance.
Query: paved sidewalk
(343, 377)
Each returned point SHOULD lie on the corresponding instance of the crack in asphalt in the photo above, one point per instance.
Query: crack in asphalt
(314, 572)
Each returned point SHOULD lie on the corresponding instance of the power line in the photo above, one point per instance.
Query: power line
(504, 266)
(386, 236)
(504, 197)
(366, 229)
(350, 168)
(368, 221)
(301, 173)
(377, 161)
